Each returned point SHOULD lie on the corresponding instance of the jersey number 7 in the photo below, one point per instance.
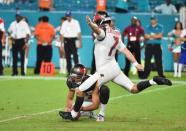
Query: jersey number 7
(116, 40)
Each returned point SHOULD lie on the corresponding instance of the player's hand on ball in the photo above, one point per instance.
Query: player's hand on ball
(88, 19)
(78, 116)
(139, 67)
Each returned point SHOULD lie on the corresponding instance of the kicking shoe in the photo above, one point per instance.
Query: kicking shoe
(100, 118)
(66, 115)
(162, 81)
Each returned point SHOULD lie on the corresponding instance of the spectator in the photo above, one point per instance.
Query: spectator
(175, 45)
(45, 5)
(2, 43)
(133, 68)
(27, 45)
(166, 8)
(44, 33)
(6, 2)
(62, 60)
(71, 37)
(20, 32)
(138, 23)
(8, 51)
(153, 36)
(182, 59)
(134, 33)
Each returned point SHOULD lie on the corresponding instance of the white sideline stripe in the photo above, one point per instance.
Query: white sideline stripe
(31, 78)
(111, 99)
(4, 78)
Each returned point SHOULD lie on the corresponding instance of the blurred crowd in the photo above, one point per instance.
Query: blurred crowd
(67, 37)
(90, 5)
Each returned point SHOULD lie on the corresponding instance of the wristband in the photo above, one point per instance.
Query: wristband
(135, 63)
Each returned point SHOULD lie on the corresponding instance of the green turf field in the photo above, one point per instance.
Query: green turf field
(32, 104)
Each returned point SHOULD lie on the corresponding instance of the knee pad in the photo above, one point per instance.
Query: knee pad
(104, 94)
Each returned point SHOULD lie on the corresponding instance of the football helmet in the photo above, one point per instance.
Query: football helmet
(101, 17)
(77, 74)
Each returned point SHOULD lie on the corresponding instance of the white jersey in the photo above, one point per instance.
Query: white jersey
(107, 69)
(106, 45)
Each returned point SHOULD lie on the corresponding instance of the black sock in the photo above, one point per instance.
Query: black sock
(143, 85)
(78, 103)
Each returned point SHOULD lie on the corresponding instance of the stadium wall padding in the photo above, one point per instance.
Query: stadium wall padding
(122, 20)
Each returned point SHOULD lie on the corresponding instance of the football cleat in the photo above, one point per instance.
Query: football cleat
(66, 115)
(162, 81)
(100, 118)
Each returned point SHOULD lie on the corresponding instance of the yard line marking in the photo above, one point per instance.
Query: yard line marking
(111, 99)
(4, 78)
(141, 93)
(149, 91)
(29, 115)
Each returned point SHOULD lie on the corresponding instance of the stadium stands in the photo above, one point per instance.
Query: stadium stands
(88, 5)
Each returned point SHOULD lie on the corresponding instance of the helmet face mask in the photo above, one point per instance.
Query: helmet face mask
(76, 79)
(101, 17)
(76, 76)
